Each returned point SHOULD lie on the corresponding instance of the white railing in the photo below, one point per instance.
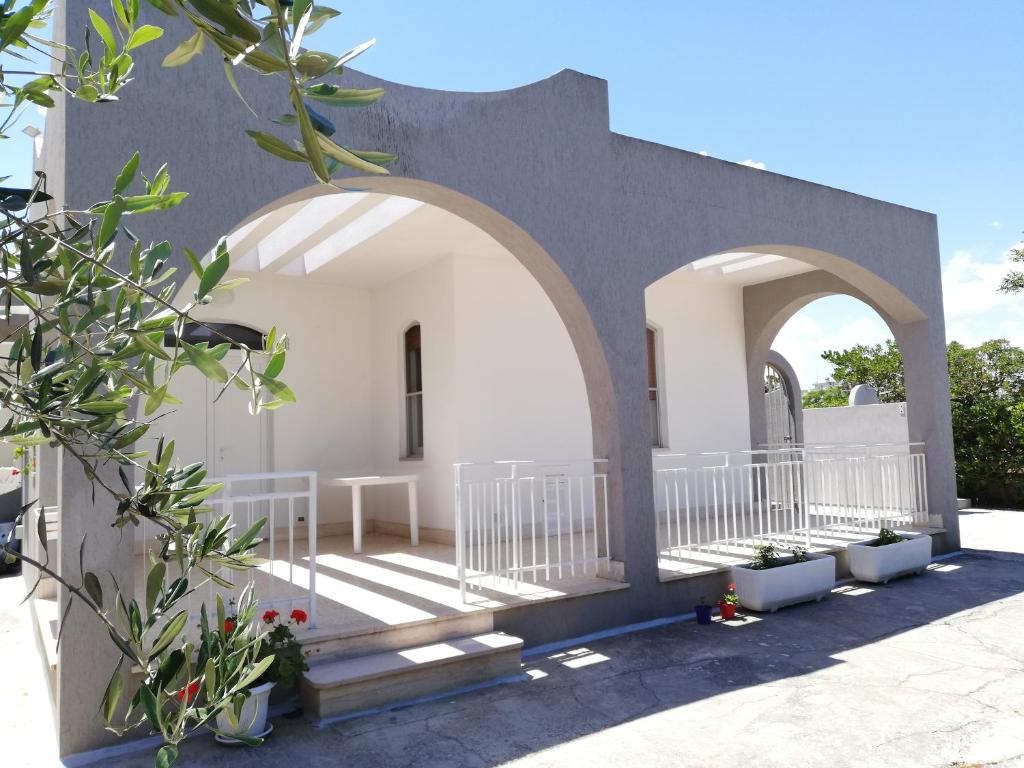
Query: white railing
(722, 503)
(527, 521)
(287, 579)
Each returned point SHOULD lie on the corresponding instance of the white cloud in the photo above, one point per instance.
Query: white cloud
(703, 153)
(753, 164)
(970, 286)
(802, 340)
(995, 224)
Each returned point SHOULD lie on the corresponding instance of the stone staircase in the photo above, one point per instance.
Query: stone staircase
(361, 673)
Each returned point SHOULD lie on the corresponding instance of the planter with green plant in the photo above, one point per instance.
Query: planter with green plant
(246, 717)
(889, 555)
(772, 581)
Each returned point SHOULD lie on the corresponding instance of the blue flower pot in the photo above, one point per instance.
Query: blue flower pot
(703, 614)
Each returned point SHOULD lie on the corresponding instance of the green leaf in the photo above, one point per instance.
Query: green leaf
(112, 695)
(275, 366)
(152, 710)
(344, 97)
(209, 490)
(92, 316)
(93, 587)
(151, 343)
(108, 224)
(213, 273)
(205, 362)
(254, 674)
(194, 262)
(101, 407)
(309, 137)
(167, 754)
(147, 33)
(170, 631)
(127, 174)
(155, 400)
(105, 32)
(346, 157)
(279, 389)
(154, 583)
(273, 145)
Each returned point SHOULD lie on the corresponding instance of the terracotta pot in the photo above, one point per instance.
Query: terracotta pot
(727, 611)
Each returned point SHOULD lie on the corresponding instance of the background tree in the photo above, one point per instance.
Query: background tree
(880, 366)
(1014, 281)
(987, 402)
(830, 396)
(90, 367)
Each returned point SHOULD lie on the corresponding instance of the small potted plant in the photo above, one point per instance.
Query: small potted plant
(248, 717)
(772, 581)
(727, 605)
(703, 611)
(889, 555)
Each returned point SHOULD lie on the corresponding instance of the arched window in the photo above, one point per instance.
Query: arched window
(653, 391)
(217, 333)
(413, 392)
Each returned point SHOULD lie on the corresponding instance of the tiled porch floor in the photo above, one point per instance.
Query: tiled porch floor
(390, 583)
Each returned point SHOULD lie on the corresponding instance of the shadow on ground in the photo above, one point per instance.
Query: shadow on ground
(921, 661)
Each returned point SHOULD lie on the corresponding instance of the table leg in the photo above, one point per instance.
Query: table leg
(414, 517)
(357, 519)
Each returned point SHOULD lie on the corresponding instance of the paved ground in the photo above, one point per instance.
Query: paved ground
(926, 671)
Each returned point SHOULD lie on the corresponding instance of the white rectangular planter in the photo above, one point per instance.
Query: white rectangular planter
(879, 564)
(774, 588)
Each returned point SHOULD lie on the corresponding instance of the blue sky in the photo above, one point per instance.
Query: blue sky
(920, 102)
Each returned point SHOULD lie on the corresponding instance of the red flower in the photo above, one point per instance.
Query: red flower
(191, 690)
(732, 586)
(229, 626)
(298, 616)
(269, 617)
(15, 472)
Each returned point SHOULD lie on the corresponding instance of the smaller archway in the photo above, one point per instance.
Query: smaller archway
(784, 415)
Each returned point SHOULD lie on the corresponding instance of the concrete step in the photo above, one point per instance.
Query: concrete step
(380, 680)
(326, 645)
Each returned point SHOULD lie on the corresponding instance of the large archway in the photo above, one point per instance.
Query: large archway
(419, 342)
(715, 475)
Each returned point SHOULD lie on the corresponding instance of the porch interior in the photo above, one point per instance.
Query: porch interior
(391, 584)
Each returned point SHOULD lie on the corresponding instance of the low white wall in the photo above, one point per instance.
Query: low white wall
(885, 423)
(703, 372)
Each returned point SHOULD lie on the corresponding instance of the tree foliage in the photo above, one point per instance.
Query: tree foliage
(830, 396)
(89, 367)
(987, 403)
(880, 366)
(1014, 280)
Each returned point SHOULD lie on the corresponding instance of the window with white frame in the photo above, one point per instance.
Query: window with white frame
(653, 390)
(413, 392)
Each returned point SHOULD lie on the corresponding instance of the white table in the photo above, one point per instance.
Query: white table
(357, 484)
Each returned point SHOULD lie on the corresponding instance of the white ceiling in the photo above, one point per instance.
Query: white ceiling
(742, 268)
(355, 238)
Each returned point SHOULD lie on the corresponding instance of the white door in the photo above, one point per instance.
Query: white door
(222, 434)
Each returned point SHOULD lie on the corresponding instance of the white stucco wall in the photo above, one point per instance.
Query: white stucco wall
(885, 423)
(703, 373)
(425, 296)
(519, 381)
